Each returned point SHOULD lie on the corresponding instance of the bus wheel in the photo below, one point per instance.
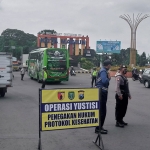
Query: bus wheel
(2, 93)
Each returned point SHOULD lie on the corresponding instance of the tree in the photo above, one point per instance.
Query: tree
(143, 59)
(86, 64)
(19, 39)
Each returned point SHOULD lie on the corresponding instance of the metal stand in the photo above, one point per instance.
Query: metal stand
(39, 144)
(100, 144)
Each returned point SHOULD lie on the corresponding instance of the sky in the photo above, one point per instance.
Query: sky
(99, 19)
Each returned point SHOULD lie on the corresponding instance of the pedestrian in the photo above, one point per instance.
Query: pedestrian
(102, 82)
(44, 77)
(94, 75)
(22, 72)
(122, 95)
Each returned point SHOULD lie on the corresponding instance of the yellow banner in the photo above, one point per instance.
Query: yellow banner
(69, 108)
(70, 95)
(70, 119)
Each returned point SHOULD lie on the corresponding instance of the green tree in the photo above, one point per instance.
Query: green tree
(19, 39)
(143, 59)
(86, 64)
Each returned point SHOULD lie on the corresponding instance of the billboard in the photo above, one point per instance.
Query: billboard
(108, 46)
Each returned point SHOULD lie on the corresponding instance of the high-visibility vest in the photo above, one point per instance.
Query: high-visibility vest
(45, 75)
(94, 73)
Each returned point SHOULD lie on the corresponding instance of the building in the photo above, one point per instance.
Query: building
(75, 43)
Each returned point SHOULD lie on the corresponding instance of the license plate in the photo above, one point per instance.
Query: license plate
(56, 79)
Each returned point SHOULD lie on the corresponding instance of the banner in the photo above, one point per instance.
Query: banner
(108, 46)
(69, 108)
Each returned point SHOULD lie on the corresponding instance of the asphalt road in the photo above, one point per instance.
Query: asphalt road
(19, 119)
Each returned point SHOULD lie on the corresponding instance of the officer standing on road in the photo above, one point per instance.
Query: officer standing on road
(94, 74)
(102, 82)
(122, 95)
(44, 77)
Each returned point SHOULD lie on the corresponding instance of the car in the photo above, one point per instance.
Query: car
(146, 77)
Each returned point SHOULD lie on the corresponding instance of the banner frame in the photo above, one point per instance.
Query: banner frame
(98, 138)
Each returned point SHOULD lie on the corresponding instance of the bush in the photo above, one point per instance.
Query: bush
(129, 68)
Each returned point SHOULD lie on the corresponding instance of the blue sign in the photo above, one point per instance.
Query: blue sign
(108, 46)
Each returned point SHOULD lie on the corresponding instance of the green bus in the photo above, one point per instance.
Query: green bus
(56, 61)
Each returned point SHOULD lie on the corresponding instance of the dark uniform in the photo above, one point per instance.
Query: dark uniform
(121, 105)
(44, 78)
(103, 83)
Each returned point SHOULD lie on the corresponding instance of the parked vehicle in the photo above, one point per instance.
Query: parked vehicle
(25, 61)
(6, 74)
(16, 66)
(146, 78)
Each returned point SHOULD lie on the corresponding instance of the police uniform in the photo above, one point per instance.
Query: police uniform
(122, 88)
(44, 78)
(103, 83)
(94, 74)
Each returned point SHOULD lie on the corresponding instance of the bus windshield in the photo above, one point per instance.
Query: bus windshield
(56, 66)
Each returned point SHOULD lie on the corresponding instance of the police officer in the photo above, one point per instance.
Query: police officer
(44, 77)
(102, 82)
(122, 95)
(94, 74)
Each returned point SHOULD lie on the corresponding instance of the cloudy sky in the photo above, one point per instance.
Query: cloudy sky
(99, 19)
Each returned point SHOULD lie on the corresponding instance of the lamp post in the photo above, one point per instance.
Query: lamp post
(133, 23)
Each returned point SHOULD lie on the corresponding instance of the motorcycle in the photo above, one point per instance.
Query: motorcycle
(135, 77)
(140, 78)
(72, 73)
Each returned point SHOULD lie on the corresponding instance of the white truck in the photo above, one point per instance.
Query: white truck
(24, 60)
(6, 73)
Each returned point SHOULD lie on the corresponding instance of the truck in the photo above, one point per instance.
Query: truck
(25, 60)
(6, 73)
(15, 66)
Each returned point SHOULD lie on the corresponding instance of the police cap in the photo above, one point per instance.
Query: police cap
(123, 66)
(107, 62)
(44, 67)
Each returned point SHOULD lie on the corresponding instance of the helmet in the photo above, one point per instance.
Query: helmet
(44, 67)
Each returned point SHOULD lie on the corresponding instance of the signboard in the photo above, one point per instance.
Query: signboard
(64, 34)
(63, 41)
(69, 108)
(108, 46)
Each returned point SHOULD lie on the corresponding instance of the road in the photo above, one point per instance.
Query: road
(19, 119)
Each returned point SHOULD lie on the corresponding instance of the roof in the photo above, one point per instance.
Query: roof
(42, 49)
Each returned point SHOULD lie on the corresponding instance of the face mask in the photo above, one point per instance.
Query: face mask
(124, 71)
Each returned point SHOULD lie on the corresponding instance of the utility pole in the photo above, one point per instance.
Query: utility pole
(133, 25)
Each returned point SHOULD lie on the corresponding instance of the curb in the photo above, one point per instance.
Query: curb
(83, 72)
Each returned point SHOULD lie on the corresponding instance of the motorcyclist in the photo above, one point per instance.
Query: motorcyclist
(135, 73)
(72, 70)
